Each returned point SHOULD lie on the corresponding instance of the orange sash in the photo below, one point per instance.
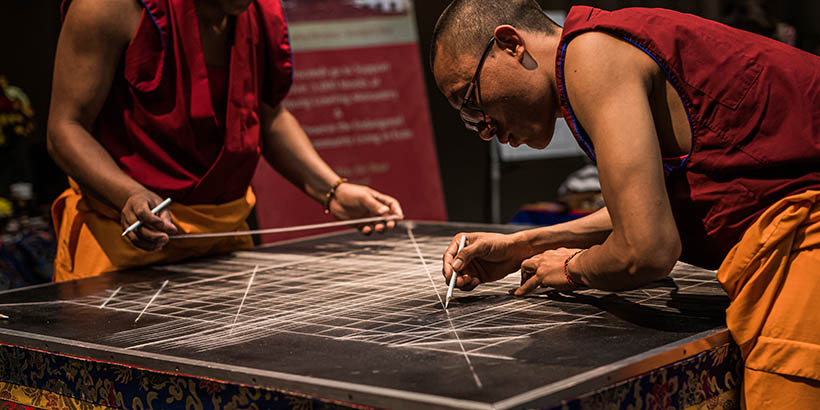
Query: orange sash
(89, 241)
(773, 278)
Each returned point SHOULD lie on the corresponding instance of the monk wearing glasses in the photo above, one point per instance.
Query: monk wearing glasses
(707, 142)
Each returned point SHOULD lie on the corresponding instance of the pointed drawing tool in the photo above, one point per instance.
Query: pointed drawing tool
(2, 316)
(453, 277)
(154, 211)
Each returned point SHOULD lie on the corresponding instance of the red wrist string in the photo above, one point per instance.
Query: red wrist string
(566, 269)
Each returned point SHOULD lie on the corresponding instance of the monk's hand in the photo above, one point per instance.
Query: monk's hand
(353, 201)
(153, 233)
(486, 257)
(545, 269)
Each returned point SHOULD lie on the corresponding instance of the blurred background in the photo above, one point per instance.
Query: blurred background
(474, 190)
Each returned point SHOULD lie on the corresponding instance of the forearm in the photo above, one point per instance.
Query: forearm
(85, 160)
(609, 268)
(288, 150)
(583, 232)
(609, 261)
(631, 256)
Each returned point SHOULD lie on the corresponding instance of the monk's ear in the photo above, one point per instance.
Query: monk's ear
(509, 39)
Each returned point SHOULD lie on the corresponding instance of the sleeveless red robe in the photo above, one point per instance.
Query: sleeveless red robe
(158, 122)
(754, 109)
(162, 126)
(747, 196)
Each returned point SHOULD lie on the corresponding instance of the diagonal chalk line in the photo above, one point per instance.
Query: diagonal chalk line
(466, 356)
(426, 269)
(243, 299)
(110, 297)
(452, 326)
(152, 300)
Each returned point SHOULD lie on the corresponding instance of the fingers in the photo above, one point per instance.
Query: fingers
(152, 233)
(145, 237)
(387, 205)
(465, 280)
(531, 284)
(528, 269)
(148, 239)
(466, 255)
(545, 269)
(357, 201)
(149, 220)
(468, 282)
(447, 258)
(168, 225)
(529, 276)
(378, 204)
(395, 207)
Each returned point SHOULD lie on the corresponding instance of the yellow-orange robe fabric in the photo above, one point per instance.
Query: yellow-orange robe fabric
(89, 240)
(773, 278)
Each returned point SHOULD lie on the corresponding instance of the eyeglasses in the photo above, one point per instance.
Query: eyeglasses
(471, 113)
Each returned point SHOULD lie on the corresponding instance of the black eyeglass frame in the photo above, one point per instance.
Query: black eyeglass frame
(471, 113)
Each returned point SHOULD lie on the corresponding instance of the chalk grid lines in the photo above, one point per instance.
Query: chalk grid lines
(366, 290)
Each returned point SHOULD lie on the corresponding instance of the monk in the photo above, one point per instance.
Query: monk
(156, 99)
(707, 141)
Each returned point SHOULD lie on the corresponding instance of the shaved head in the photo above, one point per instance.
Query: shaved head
(467, 25)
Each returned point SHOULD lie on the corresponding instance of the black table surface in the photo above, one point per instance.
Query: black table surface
(355, 318)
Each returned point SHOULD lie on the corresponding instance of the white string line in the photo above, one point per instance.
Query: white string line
(46, 302)
(289, 228)
(152, 300)
(110, 297)
(243, 300)
(452, 326)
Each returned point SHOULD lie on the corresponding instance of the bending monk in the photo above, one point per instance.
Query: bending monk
(707, 141)
(156, 99)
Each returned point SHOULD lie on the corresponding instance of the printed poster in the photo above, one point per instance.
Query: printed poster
(359, 94)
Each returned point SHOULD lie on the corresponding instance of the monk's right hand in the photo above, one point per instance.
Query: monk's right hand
(486, 257)
(152, 234)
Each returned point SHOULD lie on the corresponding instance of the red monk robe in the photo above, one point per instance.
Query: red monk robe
(165, 128)
(749, 188)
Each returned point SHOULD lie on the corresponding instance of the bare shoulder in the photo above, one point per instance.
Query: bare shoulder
(595, 59)
(103, 21)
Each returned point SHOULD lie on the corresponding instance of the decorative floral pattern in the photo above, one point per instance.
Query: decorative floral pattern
(708, 380)
(8, 405)
(32, 379)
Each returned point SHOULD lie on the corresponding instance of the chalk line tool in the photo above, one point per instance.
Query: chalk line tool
(453, 276)
(154, 211)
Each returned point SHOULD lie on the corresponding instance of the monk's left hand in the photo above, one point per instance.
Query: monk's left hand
(545, 269)
(353, 201)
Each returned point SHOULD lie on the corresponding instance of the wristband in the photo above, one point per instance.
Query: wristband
(566, 269)
(332, 193)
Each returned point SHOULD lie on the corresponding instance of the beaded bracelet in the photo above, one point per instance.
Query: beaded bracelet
(332, 193)
(566, 269)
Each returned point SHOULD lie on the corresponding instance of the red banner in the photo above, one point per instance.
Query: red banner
(359, 93)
